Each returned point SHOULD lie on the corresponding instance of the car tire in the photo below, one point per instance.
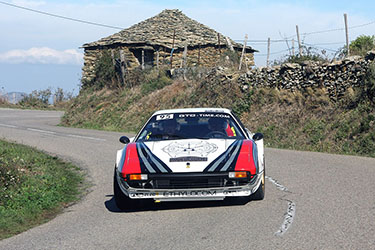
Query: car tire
(122, 201)
(259, 194)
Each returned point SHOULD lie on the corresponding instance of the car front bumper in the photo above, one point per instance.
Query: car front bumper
(190, 194)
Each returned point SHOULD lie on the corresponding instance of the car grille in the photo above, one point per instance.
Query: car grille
(189, 183)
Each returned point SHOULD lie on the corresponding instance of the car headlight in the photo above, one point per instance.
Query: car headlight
(138, 177)
(239, 174)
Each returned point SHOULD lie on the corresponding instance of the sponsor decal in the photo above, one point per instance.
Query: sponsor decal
(189, 193)
(181, 149)
(188, 158)
(203, 115)
(164, 117)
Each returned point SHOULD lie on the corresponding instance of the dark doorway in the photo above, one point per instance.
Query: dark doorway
(148, 54)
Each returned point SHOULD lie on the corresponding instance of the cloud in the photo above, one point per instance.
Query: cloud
(29, 4)
(42, 55)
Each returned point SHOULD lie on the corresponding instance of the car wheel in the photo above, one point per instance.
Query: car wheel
(259, 194)
(122, 201)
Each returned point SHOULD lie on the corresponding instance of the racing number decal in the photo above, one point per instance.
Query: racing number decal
(164, 117)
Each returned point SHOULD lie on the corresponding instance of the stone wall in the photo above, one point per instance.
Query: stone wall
(91, 56)
(335, 77)
(209, 56)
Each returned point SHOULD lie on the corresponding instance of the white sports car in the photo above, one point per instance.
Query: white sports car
(188, 155)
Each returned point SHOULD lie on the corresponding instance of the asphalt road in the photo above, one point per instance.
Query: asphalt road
(313, 201)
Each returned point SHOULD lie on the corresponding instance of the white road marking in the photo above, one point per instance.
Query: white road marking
(41, 131)
(290, 212)
(7, 125)
(288, 218)
(277, 184)
(85, 137)
(53, 133)
(62, 134)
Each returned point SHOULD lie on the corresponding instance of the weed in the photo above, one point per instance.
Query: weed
(156, 82)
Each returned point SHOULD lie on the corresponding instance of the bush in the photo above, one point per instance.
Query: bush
(105, 73)
(309, 54)
(37, 99)
(42, 99)
(361, 45)
(369, 84)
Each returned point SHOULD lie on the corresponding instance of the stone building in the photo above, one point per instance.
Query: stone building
(169, 38)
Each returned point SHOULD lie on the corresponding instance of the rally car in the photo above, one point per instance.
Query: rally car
(189, 155)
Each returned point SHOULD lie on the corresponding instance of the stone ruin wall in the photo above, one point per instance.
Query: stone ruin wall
(335, 77)
(209, 57)
(92, 55)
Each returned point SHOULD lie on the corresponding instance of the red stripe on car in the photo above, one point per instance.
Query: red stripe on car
(245, 160)
(131, 163)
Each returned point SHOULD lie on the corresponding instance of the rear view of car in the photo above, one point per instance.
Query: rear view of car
(188, 155)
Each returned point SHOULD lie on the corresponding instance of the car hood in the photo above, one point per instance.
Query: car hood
(189, 155)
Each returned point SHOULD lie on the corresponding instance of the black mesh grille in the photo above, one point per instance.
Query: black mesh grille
(189, 183)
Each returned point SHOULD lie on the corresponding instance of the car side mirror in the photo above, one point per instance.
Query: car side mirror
(258, 136)
(124, 139)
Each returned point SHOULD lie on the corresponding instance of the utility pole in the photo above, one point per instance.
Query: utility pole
(299, 41)
(243, 52)
(174, 34)
(123, 63)
(199, 54)
(143, 60)
(268, 51)
(346, 33)
(157, 59)
(218, 41)
(293, 47)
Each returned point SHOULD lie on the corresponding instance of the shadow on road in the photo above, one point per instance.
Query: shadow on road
(150, 205)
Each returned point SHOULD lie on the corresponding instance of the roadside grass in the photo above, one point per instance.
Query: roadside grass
(34, 187)
(314, 124)
(27, 106)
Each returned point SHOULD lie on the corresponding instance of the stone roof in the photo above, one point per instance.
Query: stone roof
(158, 31)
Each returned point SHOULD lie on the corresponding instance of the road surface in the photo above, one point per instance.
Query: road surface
(313, 201)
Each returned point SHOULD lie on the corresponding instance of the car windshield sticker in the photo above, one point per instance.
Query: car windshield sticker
(203, 115)
(164, 117)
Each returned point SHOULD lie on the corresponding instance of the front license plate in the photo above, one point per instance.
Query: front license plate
(189, 193)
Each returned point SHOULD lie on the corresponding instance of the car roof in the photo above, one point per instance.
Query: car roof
(193, 110)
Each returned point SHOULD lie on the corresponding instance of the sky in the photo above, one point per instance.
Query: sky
(39, 51)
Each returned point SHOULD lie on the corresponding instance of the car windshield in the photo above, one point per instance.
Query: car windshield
(205, 125)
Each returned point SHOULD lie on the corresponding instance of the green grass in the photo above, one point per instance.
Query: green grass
(34, 187)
